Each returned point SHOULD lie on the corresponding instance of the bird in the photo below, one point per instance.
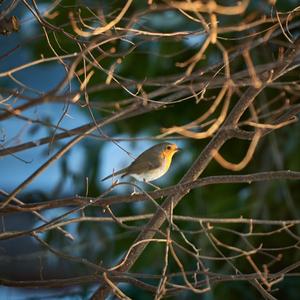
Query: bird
(150, 164)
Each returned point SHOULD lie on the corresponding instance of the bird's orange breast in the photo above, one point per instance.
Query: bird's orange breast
(167, 159)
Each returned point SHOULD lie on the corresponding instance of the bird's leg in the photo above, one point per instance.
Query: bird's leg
(134, 190)
(153, 185)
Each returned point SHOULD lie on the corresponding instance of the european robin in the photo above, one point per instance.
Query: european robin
(151, 164)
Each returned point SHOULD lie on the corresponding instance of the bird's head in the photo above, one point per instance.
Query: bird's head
(168, 150)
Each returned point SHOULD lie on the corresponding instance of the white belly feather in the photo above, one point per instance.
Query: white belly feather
(151, 174)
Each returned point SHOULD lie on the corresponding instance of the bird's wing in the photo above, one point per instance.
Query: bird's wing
(122, 171)
(145, 162)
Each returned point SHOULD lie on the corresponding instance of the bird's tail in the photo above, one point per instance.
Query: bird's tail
(120, 172)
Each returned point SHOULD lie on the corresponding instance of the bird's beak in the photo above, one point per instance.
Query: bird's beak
(177, 149)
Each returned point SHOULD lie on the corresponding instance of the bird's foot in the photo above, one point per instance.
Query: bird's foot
(134, 192)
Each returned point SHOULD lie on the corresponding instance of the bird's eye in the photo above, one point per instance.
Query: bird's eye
(169, 147)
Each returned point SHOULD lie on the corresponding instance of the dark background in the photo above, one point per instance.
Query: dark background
(151, 60)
